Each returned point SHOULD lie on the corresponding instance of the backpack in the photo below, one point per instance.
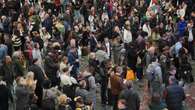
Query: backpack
(186, 72)
(48, 103)
(87, 82)
(154, 79)
(69, 90)
(151, 73)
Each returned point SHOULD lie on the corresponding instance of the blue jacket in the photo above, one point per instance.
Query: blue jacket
(181, 28)
(3, 52)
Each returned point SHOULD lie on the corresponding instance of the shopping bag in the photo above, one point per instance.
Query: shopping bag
(130, 75)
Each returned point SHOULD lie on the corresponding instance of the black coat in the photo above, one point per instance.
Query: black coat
(131, 56)
(38, 74)
(7, 72)
(51, 67)
(5, 95)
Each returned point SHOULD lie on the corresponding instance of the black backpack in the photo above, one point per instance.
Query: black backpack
(186, 72)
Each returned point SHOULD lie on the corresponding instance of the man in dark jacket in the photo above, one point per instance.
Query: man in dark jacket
(130, 96)
(5, 95)
(47, 23)
(174, 95)
(51, 68)
(131, 56)
(39, 76)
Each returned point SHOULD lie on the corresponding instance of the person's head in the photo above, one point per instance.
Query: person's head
(30, 75)
(62, 99)
(7, 60)
(128, 84)
(108, 63)
(154, 59)
(117, 70)
(116, 29)
(122, 104)
(36, 45)
(127, 25)
(30, 82)
(92, 55)
(172, 70)
(21, 81)
(65, 70)
(68, 12)
(79, 101)
(73, 43)
(172, 80)
(44, 30)
(65, 59)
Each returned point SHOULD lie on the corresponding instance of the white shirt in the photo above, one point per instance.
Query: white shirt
(190, 37)
(36, 53)
(108, 48)
(146, 28)
(127, 36)
(65, 79)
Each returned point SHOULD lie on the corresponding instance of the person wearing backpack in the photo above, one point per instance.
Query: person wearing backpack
(154, 74)
(48, 100)
(90, 84)
(186, 70)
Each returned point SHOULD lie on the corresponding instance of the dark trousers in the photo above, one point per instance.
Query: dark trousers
(103, 92)
(191, 49)
(109, 97)
(139, 72)
(115, 100)
(39, 94)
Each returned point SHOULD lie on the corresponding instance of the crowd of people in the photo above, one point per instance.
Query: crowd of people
(57, 54)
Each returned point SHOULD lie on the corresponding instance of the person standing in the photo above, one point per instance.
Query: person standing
(40, 76)
(51, 68)
(7, 71)
(174, 95)
(154, 73)
(90, 84)
(191, 35)
(116, 85)
(130, 96)
(127, 35)
(3, 50)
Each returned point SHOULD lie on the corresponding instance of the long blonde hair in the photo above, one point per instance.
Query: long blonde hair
(30, 82)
